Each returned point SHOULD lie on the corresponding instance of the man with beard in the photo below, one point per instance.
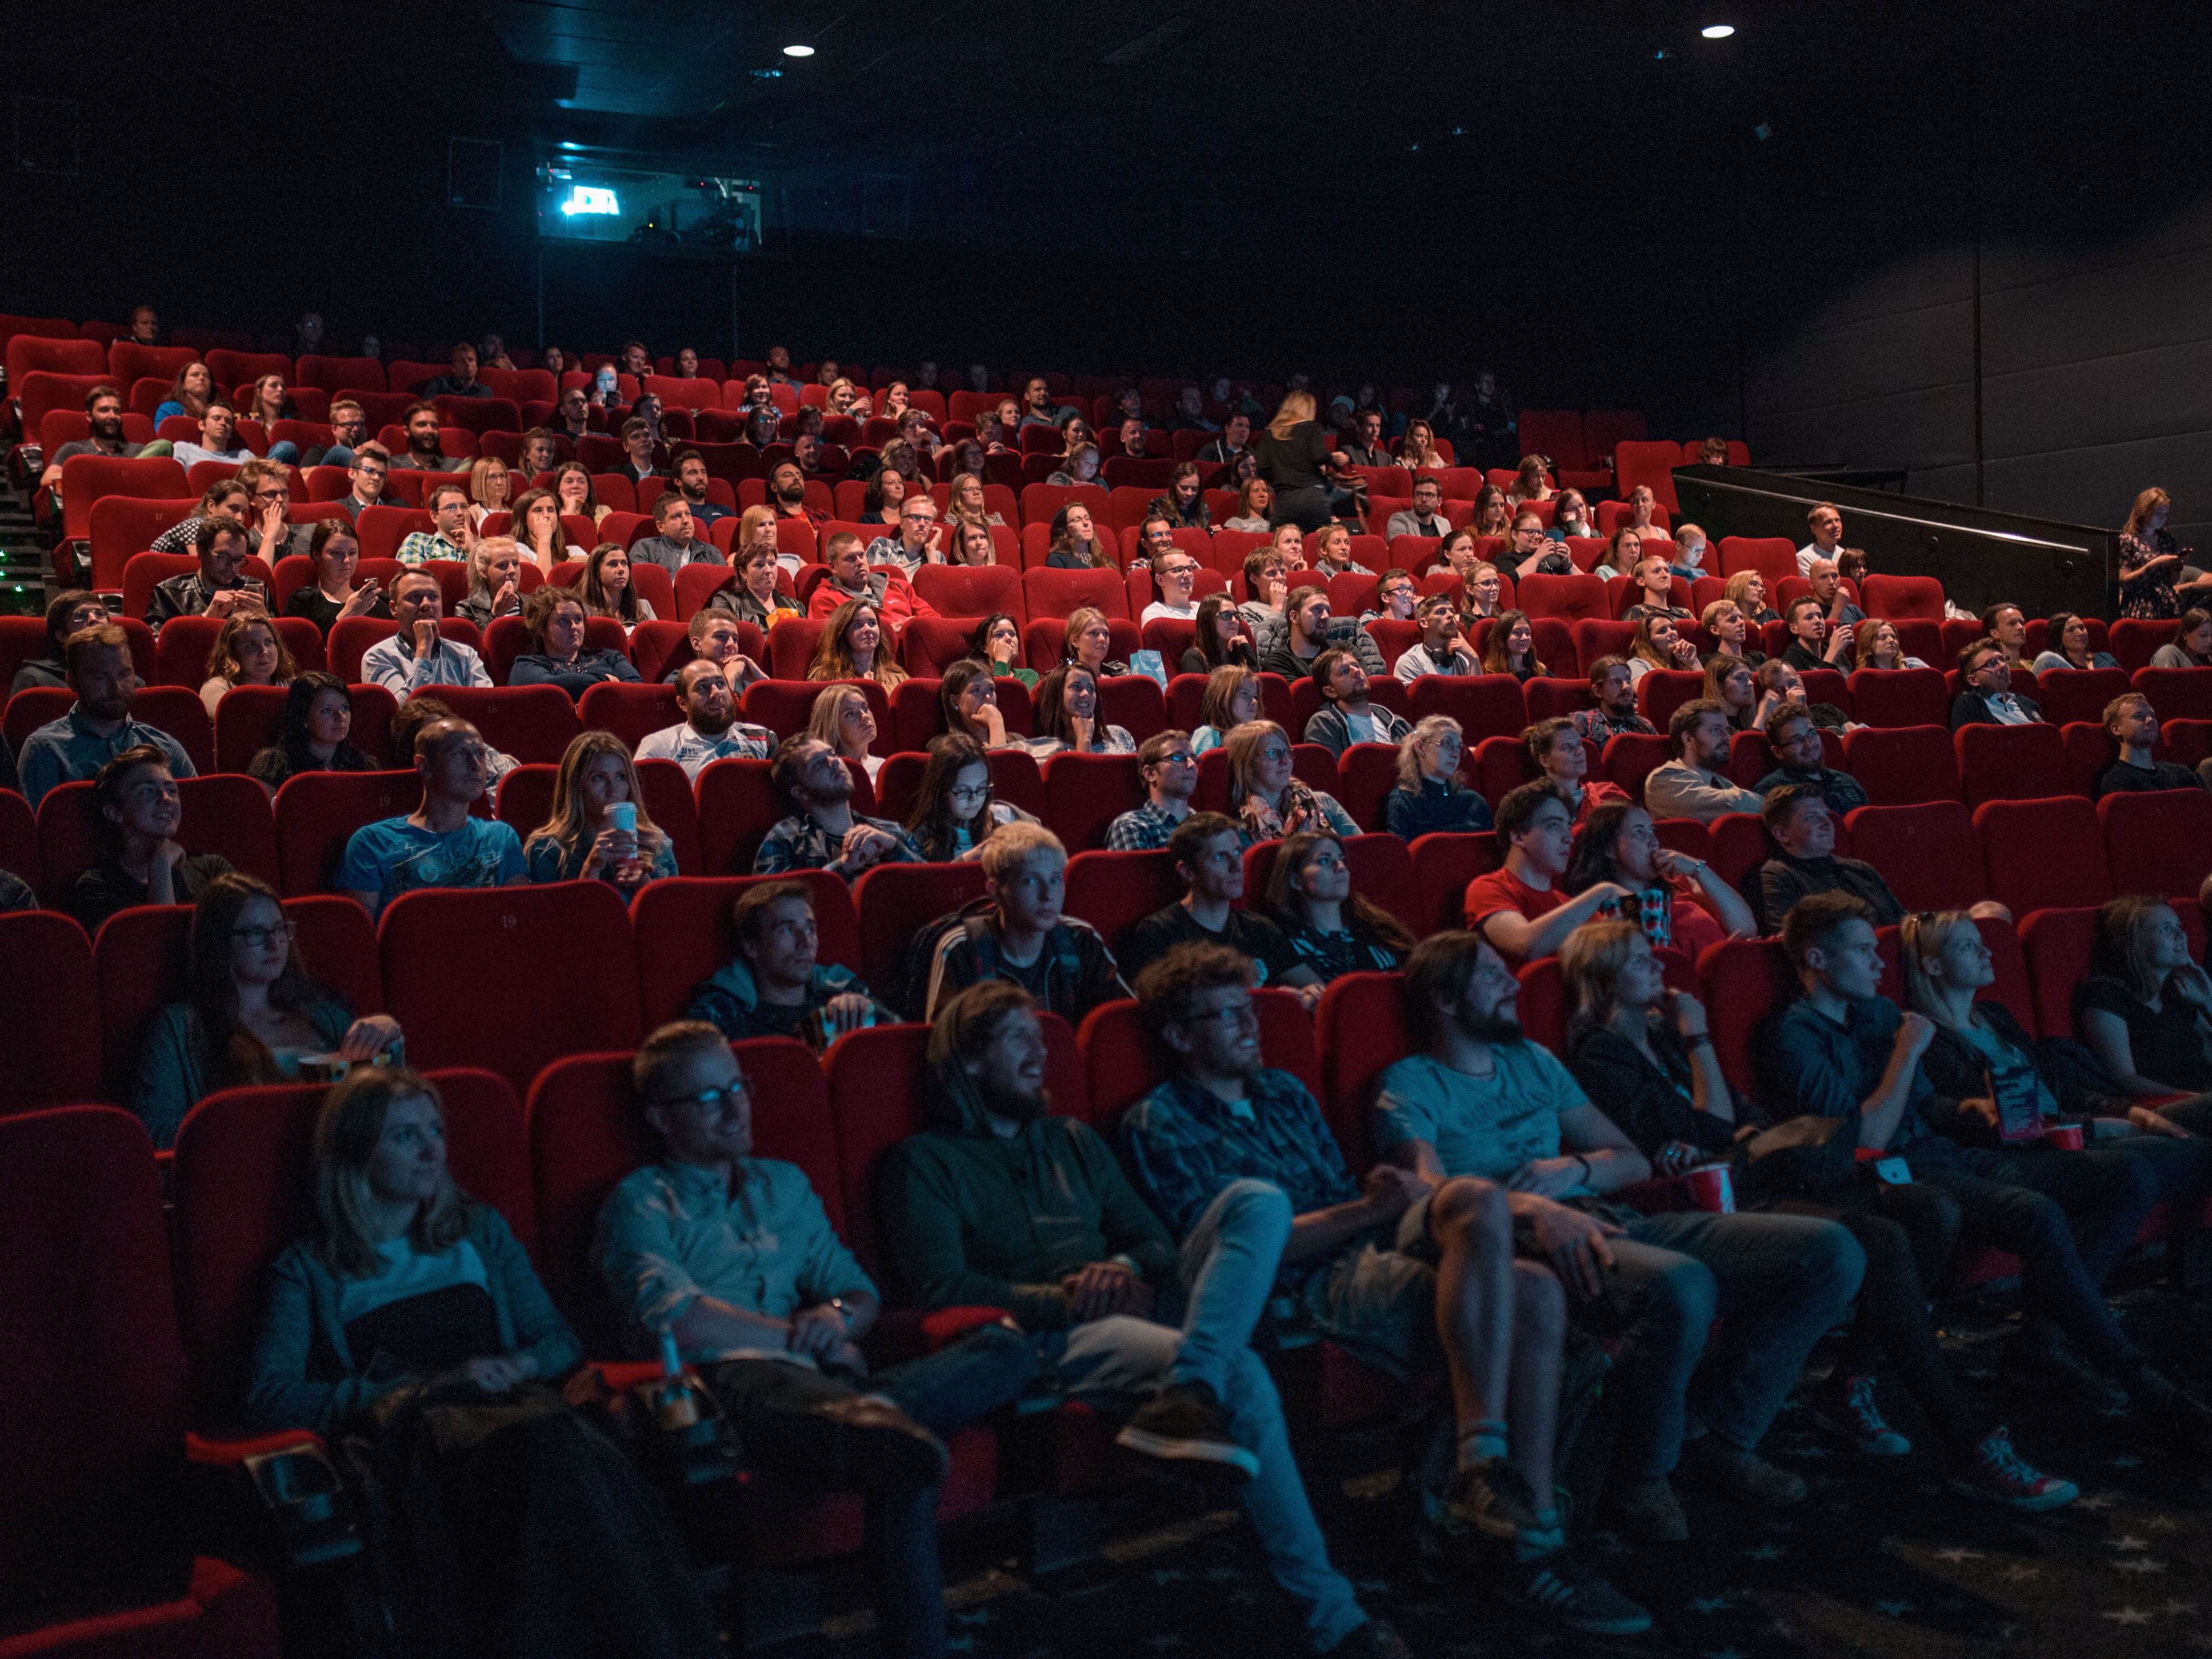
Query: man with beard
(1004, 1204)
(710, 729)
(420, 422)
(786, 494)
(690, 472)
(103, 413)
(572, 416)
(97, 727)
(824, 832)
(1397, 1265)
(219, 588)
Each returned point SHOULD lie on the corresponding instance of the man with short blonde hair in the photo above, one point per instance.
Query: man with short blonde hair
(1021, 934)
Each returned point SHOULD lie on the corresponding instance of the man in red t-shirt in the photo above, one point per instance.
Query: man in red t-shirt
(1520, 909)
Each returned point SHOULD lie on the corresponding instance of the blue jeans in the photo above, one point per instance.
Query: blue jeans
(284, 451)
(1228, 1270)
(1776, 1282)
(336, 455)
(772, 1403)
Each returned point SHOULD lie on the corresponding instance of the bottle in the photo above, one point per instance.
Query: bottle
(679, 1410)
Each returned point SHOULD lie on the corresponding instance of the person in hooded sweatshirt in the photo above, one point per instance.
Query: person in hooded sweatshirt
(775, 985)
(1002, 1204)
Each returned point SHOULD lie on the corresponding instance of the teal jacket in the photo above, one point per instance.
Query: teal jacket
(176, 1067)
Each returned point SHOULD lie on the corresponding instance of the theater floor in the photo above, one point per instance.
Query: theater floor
(1879, 1560)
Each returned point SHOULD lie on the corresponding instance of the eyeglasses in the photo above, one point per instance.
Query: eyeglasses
(1235, 1014)
(260, 938)
(711, 1103)
(968, 790)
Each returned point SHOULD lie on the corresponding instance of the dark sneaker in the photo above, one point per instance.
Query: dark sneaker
(1490, 1500)
(879, 1448)
(1999, 1474)
(1184, 1423)
(1567, 1592)
(1648, 1512)
(1375, 1640)
(1712, 1462)
(2053, 1368)
(1850, 1411)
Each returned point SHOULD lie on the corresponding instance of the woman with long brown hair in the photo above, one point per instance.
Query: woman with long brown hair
(250, 1011)
(597, 828)
(1335, 930)
(1511, 647)
(851, 648)
(249, 651)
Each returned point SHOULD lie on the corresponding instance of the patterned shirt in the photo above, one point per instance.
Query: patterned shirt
(423, 545)
(670, 1233)
(395, 856)
(1142, 830)
(693, 749)
(800, 843)
(1597, 725)
(1183, 1145)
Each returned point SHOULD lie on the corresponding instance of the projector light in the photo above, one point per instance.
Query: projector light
(585, 199)
(799, 52)
(1718, 31)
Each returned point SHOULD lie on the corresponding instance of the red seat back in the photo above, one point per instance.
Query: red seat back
(1899, 696)
(317, 811)
(1122, 1066)
(2158, 843)
(1444, 865)
(1083, 793)
(435, 940)
(1901, 766)
(2008, 763)
(1929, 853)
(2182, 693)
(530, 722)
(2041, 854)
(50, 1014)
(1774, 557)
(1745, 981)
(1485, 704)
(895, 901)
(1896, 598)
(2056, 943)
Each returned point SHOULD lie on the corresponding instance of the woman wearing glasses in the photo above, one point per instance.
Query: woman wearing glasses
(251, 1013)
(954, 812)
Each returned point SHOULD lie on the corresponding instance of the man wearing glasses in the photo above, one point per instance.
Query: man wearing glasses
(349, 426)
(1170, 771)
(438, 844)
(370, 466)
(1177, 573)
(917, 541)
(732, 1258)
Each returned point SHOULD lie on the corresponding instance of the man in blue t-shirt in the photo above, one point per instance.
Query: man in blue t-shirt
(438, 844)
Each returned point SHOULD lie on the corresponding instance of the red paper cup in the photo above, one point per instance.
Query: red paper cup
(2067, 1137)
(1710, 1190)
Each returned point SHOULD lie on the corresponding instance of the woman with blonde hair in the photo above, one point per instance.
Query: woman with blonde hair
(409, 1320)
(609, 591)
(598, 829)
(966, 504)
(843, 718)
(2151, 560)
(1645, 1054)
(1875, 644)
(1088, 643)
(1268, 799)
(1747, 592)
(1230, 698)
(851, 648)
(1335, 930)
(495, 582)
(534, 522)
(1256, 505)
(489, 485)
(1430, 796)
(1293, 456)
(249, 651)
(2144, 1008)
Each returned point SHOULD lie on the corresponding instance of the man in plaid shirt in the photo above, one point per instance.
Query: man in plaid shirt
(824, 832)
(1400, 1270)
(1615, 712)
(1170, 774)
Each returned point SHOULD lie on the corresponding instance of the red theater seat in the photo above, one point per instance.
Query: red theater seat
(317, 811)
(2056, 944)
(47, 990)
(2009, 762)
(894, 902)
(1083, 793)
(2079, 693)
(2158, 843)
(1899, 696)
(1485, 704)
(684, 934)
(1746, 980)
(435, 941)
(99, 1396)
(530, 722)
(1443, 864)
(1929, 853)
(1113, 891)
(224, 812)
(1902, 766)
(2041, 854)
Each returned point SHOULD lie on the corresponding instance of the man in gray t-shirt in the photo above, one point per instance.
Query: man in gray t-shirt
(1484, 1101)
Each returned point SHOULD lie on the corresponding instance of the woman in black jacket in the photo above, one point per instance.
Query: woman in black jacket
(1643, 1054)
(1293, 458)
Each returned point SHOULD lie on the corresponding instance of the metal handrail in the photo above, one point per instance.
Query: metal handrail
(1858, 511)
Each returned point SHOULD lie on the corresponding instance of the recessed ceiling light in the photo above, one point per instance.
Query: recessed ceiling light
(799, 52)
(1718, 31)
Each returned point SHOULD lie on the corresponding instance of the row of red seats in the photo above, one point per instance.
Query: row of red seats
(2030, 855)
